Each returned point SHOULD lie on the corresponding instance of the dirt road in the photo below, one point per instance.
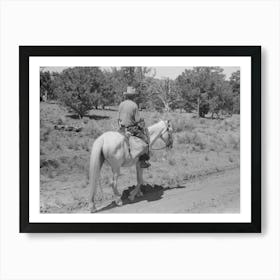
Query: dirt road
(219, 192)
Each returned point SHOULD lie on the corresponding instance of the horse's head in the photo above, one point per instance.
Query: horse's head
(161, 130)
(166, 134)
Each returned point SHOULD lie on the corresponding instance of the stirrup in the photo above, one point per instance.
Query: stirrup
(144, 164)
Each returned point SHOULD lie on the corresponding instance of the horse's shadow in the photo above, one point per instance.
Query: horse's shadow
(150, 193)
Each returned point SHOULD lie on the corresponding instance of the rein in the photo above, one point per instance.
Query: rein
(157, 149)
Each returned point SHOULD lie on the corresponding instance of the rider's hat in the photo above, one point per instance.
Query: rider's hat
(130, 91)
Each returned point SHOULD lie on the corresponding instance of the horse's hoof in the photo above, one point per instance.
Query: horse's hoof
(119, 202)
(139, 194)
(130, 198)
(91, 207)
(118, 194)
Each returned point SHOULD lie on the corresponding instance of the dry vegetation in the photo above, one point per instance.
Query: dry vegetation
(202, 146)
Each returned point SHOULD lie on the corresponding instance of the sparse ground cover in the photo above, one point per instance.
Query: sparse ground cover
(201, 147)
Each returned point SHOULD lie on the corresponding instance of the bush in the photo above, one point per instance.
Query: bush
(192, 138)
(73, 145)
(185, 138)
(92, 129)
(182, 125)
(171, 161)
(232, 142)
(44, 133)
(198, 141)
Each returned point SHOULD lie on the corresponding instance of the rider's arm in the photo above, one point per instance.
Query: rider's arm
(137, 115)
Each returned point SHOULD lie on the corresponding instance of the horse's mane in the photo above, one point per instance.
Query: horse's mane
(155, 124)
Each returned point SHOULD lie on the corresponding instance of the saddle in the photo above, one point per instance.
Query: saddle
(136, 137)
(138, 130)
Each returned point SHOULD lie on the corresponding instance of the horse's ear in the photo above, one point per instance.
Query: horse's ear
(169, 124)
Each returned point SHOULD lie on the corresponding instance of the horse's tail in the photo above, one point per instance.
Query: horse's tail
(96, 162)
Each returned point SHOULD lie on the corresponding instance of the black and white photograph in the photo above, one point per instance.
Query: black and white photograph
(140, 135)
(140, 139)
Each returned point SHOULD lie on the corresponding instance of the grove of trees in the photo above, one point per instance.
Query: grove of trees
(204, 90)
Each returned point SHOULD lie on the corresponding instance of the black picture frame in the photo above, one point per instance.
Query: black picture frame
(25, 52)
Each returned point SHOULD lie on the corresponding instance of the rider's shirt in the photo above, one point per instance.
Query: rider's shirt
(128, 113)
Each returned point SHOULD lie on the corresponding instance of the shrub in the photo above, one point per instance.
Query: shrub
(182, 125)
(198, 141)
(195, 139)
(171, 161)
(55, 144)
(185, 138)
(44, 133)
(92, 130)
(232, 142)
(85, 145)
(61, 121)
(74, 145)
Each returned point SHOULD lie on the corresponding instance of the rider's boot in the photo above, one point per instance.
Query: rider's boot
(144, 161)
(144, 164)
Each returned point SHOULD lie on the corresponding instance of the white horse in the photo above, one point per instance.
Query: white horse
(113, 148)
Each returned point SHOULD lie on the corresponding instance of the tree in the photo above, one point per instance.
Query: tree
(118, 84)
(46, 85)
(186, 91)
(139, 78)
(194, 84)
(163, 95)
(107, 92)
(203, 80)
(222, 99)
(198, 88)
(234, 81)
(78, 88)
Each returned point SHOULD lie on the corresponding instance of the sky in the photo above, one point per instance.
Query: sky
(174, 72)
(164, 72)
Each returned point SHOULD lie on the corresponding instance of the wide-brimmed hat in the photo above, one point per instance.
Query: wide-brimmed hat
(130, 91)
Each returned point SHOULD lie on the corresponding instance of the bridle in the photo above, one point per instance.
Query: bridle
(169, 142)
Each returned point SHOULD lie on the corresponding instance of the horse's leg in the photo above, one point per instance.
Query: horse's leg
(139, 172)
(101, 190)
(114, 184)
(92, 206)
(118, 199)
(93, 193)
(137, 190)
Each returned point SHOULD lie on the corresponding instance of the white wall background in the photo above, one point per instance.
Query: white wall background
(139, 256)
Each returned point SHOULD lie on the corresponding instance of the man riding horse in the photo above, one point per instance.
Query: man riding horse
(119, 150)
(130, 121)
